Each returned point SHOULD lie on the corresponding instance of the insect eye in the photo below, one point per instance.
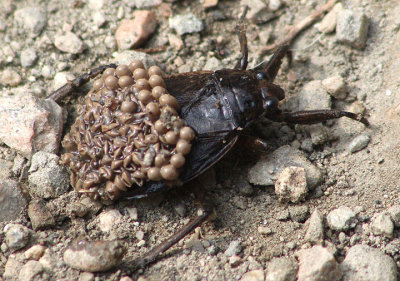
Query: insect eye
(260, 75)
(271, 104)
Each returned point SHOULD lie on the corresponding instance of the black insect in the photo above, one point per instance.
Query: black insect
(218, 105)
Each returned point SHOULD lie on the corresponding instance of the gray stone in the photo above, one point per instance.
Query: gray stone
(12, 268)
(382, 224)
(359, 143)
(299, 213)
(335, 86)
(61, 78)
(317, 263)
(352, 28)
(341, 219)
(17, 236)
(313, 96)
(94, 256)
(10, 78)
(366, 263)
(39, 215)
(69, 43)
(281, 269)
(31, 19)
(394, 212)
(315, 230)
(318, 133)
(187, 23)
(291, 185)
(253, 275)
(143, 4)
(108, 220)
(274, 5)
(234, 248)
(328, 23)
(28, 57)
(266, 170)
(12, 201)
(35, 124)
(264, 230)
(47, 178)
(30, 270)
(213, 64)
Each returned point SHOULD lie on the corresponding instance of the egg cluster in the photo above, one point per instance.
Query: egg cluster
(128, 132)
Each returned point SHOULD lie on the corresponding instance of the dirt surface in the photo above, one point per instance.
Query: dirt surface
(368, 178)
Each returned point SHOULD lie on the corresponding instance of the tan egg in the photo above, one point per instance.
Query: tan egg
(98, 84)
(129, 107)
(111, 82)
(156, 80)
(135, 64)
(142, 84)
(154, 174)
(183, 146)
(155, 70)
(140, 73)
(158, 91)
(160, 160)
(125, 81)
(108, 72)
(170, 100)
(187, 133)
(123, 70)
(153, 109)
(177, 160)
(160, 127)
(145, 96)
(171, 137)
(169, 172)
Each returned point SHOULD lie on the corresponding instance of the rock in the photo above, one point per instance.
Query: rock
(235, 260)
(313, 96)
(234, 248)
(61, 78)
(256, 8)
(32, 20)
(299, 213)
(187, 23)
(394, 212)
(366, 263)
(47, 178)
(266, 170)
(17, 236)
(12, 268)
(352, 28)
(274, 5)
(382, 224)
(180, 209)
(143, 4)
(132, 212)
(5, 171)
(317, 263)
(328, 23)
(335, 86)
(39, 215)
(315, 230)
(10, 78)
(69, 43)
(109, 219)
(77, 209)
(34, 125)
(94, 256)
(341, 219)
(35, 252)
(12, 201)
(281, 269)
(88, 276)
(213, 64)
(30, 270)
(49, 260)
(210, 3)
(126, 57)
(98, 19)
(264, 230)
(291, 185)
(96, 4)
(318, 133)
(28, 57)
(254, 275)
(359, 143)
(133, 33)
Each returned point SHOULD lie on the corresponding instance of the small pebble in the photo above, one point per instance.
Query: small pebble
(359, 143)
(382, 224)
(299, 213)
(264, 230)
(274, 5)
(31, 19)
(12, 201)
(253, 275)
(366, 263)
(187, 23)
(394, 212)
(341, 219)
(234, 248)
(94, 256)
(10, 78)
(142, 4)
(109, 219)
(291, 185)
(132, 212)
(139, 235)
(317, 263)
(210, 3)
(328, 23)
(12, 268)
(69, 43)
(235, 260)
(30, 270)
(335, 86)
(39, 215)
(17, 236)
(28, 57)
(313, 97)
(35, 252)
(256, 8)
(281, 269)
(86, 276)
(352, 28)
(315, 230)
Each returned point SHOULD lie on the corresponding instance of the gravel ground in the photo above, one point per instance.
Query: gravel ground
(339, 212)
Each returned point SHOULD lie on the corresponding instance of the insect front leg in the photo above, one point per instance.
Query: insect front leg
(68, 88)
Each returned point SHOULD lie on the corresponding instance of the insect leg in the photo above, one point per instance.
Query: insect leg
(241, 27)
(252, 143)
(68, 88)
(315, 116)
(272, 67)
